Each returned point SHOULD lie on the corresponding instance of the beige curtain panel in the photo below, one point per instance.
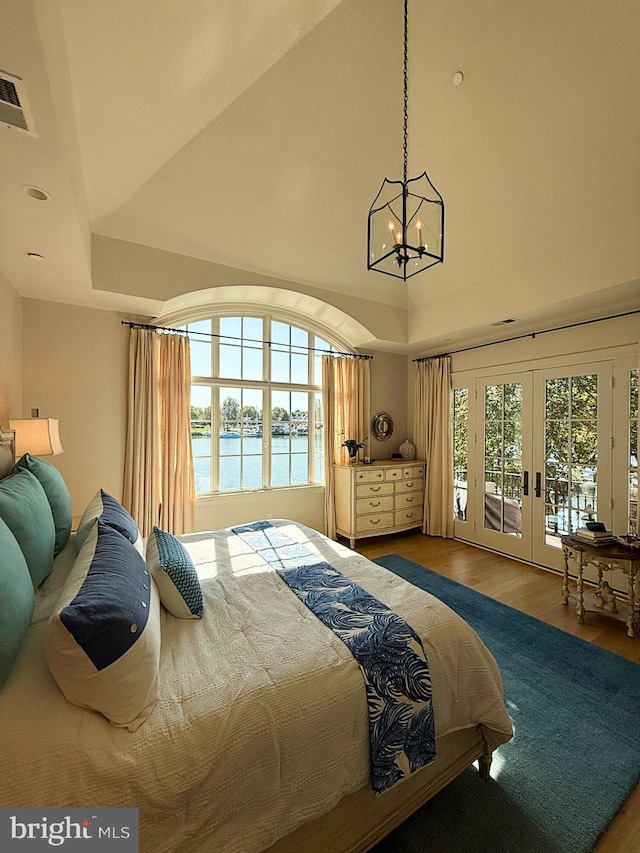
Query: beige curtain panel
(434, 442)
(346, 397)
(159, 486)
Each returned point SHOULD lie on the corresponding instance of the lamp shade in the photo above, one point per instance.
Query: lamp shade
(37, 436)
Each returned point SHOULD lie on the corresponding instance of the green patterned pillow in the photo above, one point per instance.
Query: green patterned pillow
(175, 575)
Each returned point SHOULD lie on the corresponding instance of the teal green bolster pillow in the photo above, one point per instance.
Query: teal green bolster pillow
(25, 510)
(16, 600)
(57, 494)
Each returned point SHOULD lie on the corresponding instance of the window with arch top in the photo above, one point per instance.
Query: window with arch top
(256, 402)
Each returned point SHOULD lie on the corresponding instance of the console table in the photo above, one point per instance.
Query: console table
(604, 558)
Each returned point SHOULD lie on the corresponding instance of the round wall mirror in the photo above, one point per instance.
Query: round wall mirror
(382, 425)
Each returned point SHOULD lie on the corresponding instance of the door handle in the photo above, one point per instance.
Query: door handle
(538, 484)
(525, 483)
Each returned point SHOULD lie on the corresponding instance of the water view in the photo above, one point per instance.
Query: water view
(241, 460)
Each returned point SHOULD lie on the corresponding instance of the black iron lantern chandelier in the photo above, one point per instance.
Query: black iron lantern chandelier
(406, 220)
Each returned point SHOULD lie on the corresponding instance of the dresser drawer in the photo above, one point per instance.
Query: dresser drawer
(371, 490)
(409, 499)
(393, 474)
(377, 505)
(415, 484)
(411, 472)
(374, 522)
(375, 476)
(409, 516)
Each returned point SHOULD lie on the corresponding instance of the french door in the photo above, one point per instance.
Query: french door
(539, 456)
(503, 464)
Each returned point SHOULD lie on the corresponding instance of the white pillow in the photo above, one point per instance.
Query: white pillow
(103, 637)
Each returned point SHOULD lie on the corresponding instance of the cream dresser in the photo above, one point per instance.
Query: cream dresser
(384, 497)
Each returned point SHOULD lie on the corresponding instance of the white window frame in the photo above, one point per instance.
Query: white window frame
(312, 388)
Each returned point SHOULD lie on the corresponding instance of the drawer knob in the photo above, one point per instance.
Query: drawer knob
(376, 521)
(374, 503)
(375, 488)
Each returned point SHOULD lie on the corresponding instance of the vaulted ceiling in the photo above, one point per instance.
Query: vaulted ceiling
(254, 136)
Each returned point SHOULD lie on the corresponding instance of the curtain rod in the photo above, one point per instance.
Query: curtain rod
(250, 340)
(529, 335)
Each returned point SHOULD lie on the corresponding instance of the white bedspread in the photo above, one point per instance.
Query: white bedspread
(261, 722)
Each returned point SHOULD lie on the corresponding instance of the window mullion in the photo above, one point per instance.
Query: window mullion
(285, 362)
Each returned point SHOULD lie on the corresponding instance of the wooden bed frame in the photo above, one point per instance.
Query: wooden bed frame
(362, 819)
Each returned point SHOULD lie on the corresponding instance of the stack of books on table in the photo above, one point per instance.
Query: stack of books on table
(595, 537)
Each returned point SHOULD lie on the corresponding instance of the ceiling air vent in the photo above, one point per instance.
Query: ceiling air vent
(14, 110)
(506, 321)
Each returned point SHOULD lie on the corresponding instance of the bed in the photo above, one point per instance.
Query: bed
(253, 733)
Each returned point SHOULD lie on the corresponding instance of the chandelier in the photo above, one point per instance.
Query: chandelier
(406, 220)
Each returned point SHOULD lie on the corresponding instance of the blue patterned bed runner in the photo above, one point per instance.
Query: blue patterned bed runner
(389, 652)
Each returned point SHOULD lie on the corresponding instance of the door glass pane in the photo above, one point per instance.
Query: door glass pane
(503, 458)
(633, 453)
(460, 420)
(571, 454)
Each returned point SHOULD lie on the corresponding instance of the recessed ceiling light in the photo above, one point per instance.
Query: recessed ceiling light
(35, 256)
(36, 192)
(458, 77)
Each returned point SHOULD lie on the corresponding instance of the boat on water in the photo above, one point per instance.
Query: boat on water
(229, 434)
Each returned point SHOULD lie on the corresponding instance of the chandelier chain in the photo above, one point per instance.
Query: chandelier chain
(406, 226)
(405, 85)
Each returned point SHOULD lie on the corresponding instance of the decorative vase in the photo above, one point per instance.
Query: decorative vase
(407, 449)
(353, 454)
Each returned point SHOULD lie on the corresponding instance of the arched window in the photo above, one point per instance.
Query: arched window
(256, 402)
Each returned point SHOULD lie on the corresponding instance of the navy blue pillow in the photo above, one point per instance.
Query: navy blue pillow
(103, 637)
(114, 597)
(111, 512)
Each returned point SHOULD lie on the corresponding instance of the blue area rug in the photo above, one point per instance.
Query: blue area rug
(575, 756)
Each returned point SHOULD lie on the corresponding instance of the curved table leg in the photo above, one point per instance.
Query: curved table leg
(580, 589)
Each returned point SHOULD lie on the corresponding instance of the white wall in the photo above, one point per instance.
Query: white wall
(10, 352)
(74, 365)
(588, 338)
(388, 384)
(75, 369)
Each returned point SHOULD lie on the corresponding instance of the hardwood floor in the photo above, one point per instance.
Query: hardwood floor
(536, 592)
